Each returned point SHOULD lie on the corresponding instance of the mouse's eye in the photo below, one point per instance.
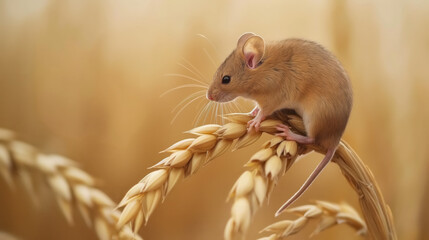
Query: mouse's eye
(226, 79)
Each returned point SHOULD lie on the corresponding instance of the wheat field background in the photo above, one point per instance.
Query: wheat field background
(83, 79)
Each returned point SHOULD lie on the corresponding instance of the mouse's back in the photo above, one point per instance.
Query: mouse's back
(324, 90)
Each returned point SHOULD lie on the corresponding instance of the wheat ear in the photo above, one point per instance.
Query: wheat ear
(186, 157)
(328, 214)
(71, 186)
(255, 184)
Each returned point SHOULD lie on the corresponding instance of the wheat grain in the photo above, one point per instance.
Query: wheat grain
(328, 214)
(72, 187)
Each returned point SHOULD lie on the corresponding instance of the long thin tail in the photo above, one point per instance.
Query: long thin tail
(329, 154)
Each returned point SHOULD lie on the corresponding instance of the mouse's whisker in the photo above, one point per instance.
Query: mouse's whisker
(192, 96)
(200, 104)
(211, 44)
(217, 112)
(187, 104)
(196, 74)
(207, 111)
(210, 57)
(228, 108)
(214, 112)
(183, 86)
(212, 108)
(193, 68)
(202, 111)
(187, 77)
(233, 107)
(237, 106)
(222, 113)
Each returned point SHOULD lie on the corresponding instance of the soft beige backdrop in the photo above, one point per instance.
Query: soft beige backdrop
(84, 79)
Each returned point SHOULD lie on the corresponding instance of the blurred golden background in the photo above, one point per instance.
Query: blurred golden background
(83, 79)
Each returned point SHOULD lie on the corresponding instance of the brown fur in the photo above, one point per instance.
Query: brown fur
(295, 74)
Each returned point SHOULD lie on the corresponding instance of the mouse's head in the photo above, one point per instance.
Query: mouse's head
(236, 75)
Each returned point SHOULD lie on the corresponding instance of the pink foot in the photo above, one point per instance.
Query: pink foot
(286, 133)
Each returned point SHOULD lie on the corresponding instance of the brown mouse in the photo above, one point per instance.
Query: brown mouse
(289, 74)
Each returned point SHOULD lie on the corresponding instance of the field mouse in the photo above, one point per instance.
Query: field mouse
(289, 74)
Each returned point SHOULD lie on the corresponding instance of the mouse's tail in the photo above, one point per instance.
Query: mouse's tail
(329, 154)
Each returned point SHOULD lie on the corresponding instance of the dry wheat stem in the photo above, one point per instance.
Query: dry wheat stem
(376, 213)
(328, 214)
(71, 186)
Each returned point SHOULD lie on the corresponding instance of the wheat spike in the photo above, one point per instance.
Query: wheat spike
(255, 184)
(72, 186)
(186, 157)
(328, 214)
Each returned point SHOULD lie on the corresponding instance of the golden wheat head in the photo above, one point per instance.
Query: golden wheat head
(328, 214)
(72, 187)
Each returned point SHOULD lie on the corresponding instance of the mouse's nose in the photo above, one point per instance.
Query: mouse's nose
(209, 96)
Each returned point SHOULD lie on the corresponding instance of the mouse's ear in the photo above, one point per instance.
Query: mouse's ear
(253, 49)
(242, 40)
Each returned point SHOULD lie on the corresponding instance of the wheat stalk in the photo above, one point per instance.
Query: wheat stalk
(328, 214)
(376, 212)
(71, 186)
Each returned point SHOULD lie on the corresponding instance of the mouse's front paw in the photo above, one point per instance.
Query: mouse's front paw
(254, 123)
(255, 111)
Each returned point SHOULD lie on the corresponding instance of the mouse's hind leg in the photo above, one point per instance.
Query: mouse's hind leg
(284, 131)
